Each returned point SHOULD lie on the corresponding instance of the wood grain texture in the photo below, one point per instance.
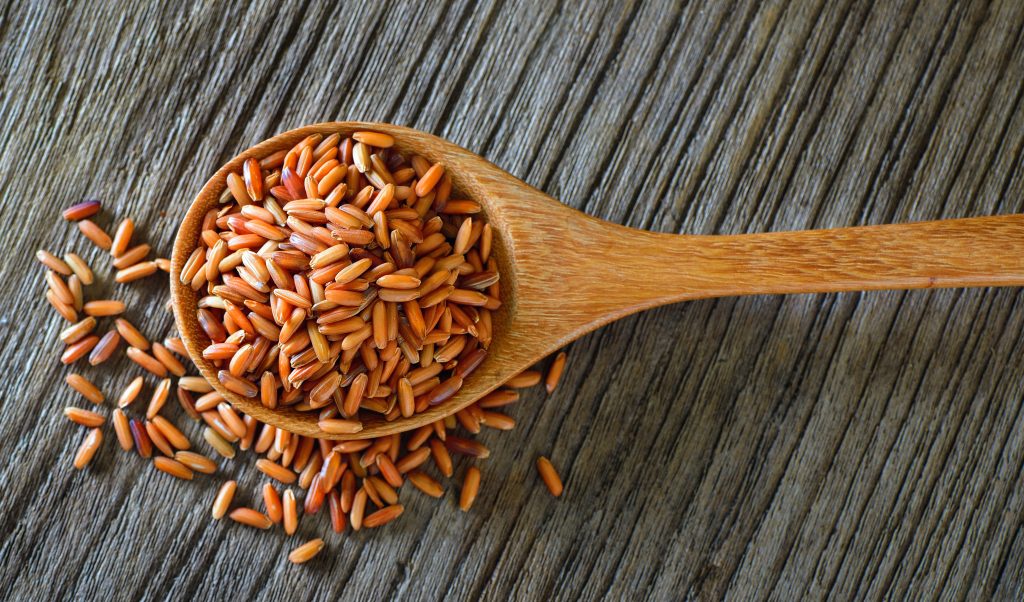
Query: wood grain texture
(850, 445)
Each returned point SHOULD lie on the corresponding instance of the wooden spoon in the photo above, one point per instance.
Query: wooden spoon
(565, 273)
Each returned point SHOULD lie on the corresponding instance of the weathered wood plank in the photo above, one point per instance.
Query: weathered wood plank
(856, 445)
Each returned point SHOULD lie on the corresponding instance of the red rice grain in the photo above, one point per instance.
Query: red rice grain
(136, 272)
(250, 517)
(51, 261)
(426, 483)
(142, 442)
(159, 398)
(196, 462)
(106, 307)
(221, 445)
(158, 440)
(338, 519)
(527, 378)
(549, 476)
(383, 516)
(470, 488)
(170, 432)
(222, 502)
(306, 551)
(122, 238)
(355, 516)
(132, 256)
(131, 335)
(442, 459)
(96, 234)
(66, 311)
(147, 361)
(80, 268)
(123, 430)
(87, 390)
(130, 392)
(173, 467)
(276, 471)
(76, 331)
(336, 426)
(195, 384)
(59, 288)
(555, 372)
(83, 417)
(88, 449)
(81, 210)
(170, 362)
(272, 501)
(104, 348)
(290, 513)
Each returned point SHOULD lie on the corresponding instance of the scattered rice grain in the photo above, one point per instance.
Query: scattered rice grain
(549, 476)
(470, 488)
(96, 234)
(84, 387)
(83, 417)
(222, 502)
(173, 468)
(81, 210)
(306, 551)
(88, 449)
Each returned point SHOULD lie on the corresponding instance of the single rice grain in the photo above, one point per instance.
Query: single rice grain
(170, 362)
(106, 307)
(147, 361)
(136, 272)
(222, 502)
(88, 449)
(96, 234)
(173, 468)
(122, 238)
(81, 210)
(80, 268)
(143, 444)
(156, 437)
(290, 512)
(272, 502)
(85, 388)
(470, 488)
(105, 348)
(383, 516)
(219, 444)
(130, 392)
(53, 262)
(170, 432)
(76, 331)
(66, 311)
(159, 398)
(83, 417)
(132, 256)
(549, 476)
(306, 551)
(527, 378)
(276, 471)
(130, 334)
(426, 483)
(196, 462)
(555, 372)
(250, 517)
(122, 430)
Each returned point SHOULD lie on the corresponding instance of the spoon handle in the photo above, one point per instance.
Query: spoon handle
(654, 269)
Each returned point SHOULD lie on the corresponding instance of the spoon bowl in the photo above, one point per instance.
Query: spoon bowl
(564, 273)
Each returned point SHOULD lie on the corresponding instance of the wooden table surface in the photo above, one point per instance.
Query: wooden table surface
(814, 446)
